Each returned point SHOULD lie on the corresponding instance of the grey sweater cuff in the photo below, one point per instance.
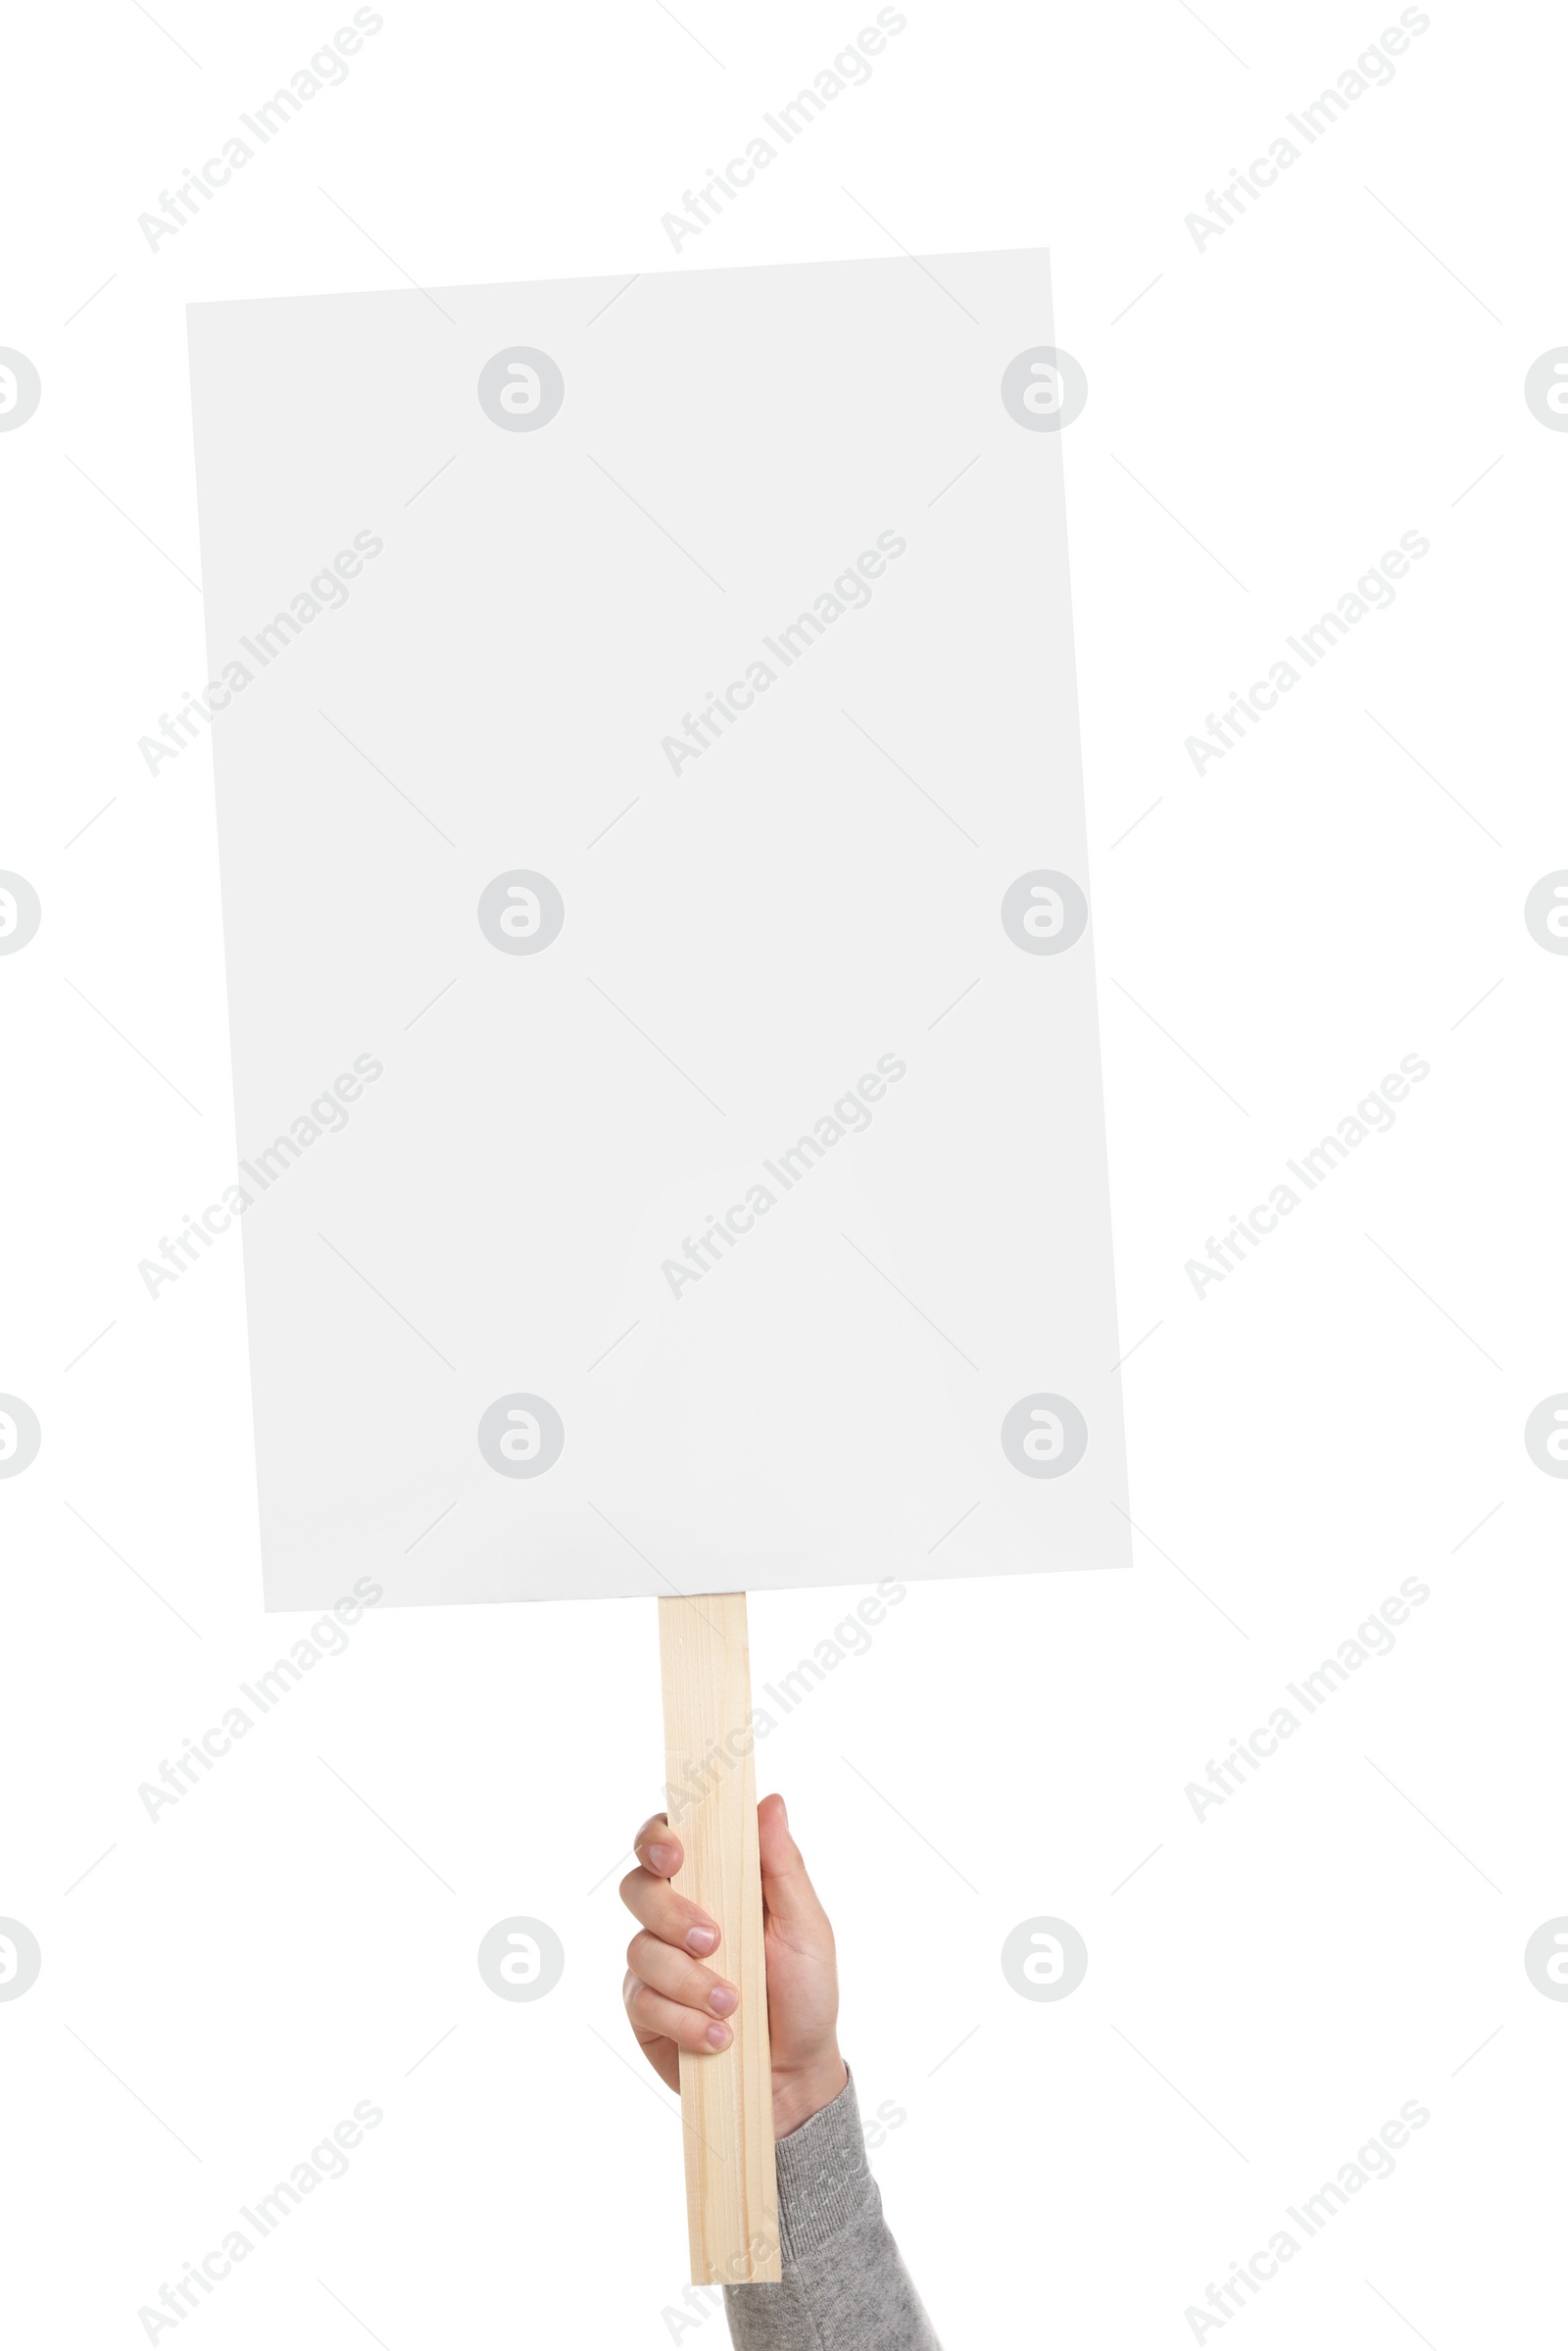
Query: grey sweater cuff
(824, 2177)
(844, 2286)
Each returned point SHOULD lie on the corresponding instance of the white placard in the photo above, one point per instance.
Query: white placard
(657, 908)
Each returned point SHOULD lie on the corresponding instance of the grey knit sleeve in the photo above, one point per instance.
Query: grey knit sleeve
(845, 2287)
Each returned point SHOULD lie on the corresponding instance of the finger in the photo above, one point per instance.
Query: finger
(788, 1895)
(679, 1979)
(658, 1847)
(655, 1905)
(652, 2015)
(661, 2052)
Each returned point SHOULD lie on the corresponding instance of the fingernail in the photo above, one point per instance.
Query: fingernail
(663, 1858)
(701, 1939)
(719, 2037)
(721, 2000)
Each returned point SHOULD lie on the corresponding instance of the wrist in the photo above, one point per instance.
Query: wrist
(800, 2093)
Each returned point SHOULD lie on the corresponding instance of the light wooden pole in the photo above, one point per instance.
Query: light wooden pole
(726, 2100)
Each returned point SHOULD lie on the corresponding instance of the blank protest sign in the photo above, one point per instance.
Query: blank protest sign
(657, 923)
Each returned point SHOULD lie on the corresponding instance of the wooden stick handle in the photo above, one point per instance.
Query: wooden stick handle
(726, 2100)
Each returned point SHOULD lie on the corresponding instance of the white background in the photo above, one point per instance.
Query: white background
(1347, 1931)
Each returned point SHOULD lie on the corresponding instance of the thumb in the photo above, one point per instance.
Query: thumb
(788, 1895)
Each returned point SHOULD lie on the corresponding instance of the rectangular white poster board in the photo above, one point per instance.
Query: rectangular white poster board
(657, 905)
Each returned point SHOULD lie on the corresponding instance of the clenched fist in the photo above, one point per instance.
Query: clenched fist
(676, 2002)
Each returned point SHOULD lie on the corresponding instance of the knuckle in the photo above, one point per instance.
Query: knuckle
(637, 1997)
(696, 1984)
